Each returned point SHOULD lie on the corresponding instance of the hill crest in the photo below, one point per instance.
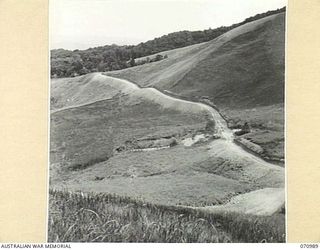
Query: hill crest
(65, 63)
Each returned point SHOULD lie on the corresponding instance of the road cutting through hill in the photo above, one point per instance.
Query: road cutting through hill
(259, 202)
(252, 167)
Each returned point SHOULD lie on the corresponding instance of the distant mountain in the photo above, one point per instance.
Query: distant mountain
(66, 63)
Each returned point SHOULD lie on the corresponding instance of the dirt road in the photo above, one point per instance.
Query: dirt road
(252, 168)
(260, 202)
(263, 202)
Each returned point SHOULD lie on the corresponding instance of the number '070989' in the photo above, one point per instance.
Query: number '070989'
(309, 245)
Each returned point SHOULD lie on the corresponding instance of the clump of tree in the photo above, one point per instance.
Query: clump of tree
(66, 63)
(150, 60)
(244, 129)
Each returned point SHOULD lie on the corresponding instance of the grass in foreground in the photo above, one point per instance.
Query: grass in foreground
(78, 217)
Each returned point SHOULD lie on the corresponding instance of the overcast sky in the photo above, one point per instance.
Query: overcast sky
(81, 24)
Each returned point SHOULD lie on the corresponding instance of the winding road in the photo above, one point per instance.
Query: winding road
(264, 201)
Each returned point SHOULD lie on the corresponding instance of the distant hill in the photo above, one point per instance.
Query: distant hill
(66, 63)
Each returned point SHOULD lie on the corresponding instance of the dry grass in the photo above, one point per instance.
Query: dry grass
(78, 217)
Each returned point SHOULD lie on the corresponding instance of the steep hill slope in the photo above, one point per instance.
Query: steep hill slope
(241, 72)
(65, 63)
(244, 66)
(110, 136)
(246, 71)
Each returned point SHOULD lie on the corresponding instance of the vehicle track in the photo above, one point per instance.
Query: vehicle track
(254, 202)
(259, 202)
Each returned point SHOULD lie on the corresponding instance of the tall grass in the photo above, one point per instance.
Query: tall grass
(78, 217)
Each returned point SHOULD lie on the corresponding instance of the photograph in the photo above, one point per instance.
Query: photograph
(167, 121)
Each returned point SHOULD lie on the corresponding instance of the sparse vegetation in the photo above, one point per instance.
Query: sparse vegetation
(78, 217)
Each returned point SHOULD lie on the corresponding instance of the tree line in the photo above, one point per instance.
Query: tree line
(67, 63)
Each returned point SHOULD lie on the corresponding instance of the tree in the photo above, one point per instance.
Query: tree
(158, 57)
(65, 63)
(132, 62)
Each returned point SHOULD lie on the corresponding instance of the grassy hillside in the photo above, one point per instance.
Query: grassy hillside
(95, 146)
(66, 63)
(75, 217)
(81, 90)
(109, 136)
(246, 71)
(236, 68)
(82, 136)
(241, 70)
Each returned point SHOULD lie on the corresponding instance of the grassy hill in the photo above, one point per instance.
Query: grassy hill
(66, 63)
(241, 72)
(85, 133)
(95, 146)
(109, 136)
(244, 66)
(93, 116)
(246, 71)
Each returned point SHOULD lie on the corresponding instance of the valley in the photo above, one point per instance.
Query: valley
(199, 133)
(176, 174)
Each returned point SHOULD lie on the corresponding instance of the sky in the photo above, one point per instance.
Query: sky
(81, 24)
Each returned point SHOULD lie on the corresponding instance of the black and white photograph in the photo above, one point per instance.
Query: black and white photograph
(167, 121)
